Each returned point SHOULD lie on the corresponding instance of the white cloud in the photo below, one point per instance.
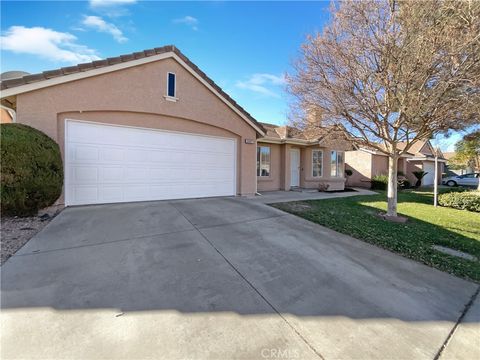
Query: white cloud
(264, 84)
(111, 8)
(189, 21)
(97, 23)
(46, 43)
(110, 3)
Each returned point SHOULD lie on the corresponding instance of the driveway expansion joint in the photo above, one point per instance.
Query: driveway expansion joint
(249, 283)
(36, 252)
(455, 327)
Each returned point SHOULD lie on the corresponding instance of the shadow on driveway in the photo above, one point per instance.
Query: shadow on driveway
(218, 278)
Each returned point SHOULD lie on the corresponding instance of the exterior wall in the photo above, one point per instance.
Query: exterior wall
(306, 178)
(280, 174)
(426, 150)
(135, 97)
(379, 165)
(360, 162)
(276, 178)
(411, 167)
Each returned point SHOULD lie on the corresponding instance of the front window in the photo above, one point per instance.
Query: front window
(336, 164)
(317, 162)
(171, 85)
(263, 161)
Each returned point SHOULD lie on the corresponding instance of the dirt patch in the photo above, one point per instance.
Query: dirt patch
(16, 231)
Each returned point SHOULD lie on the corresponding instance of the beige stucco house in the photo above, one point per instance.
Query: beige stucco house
(288, 157)
(151, 126)
(367, 163)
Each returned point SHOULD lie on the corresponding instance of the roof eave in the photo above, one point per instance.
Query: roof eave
(173, 53)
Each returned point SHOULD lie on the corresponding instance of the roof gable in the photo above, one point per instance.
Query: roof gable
(33, 82)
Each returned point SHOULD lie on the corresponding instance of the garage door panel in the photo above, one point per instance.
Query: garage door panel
(111, 193)
(110, 154)
(86, 194)
(86, 174)
(115, 164)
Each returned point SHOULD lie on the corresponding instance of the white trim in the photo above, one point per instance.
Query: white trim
(260, 162)
(321, 168)
(174, 86)
(65, 172)
(342, 172)
(287, 141)
(297, 151)
(418, 158)
(169, 98)
(110, 68)
(377, 152)
(81, 75)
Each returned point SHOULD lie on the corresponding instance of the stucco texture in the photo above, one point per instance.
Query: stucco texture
(136, 97)
(280, 172)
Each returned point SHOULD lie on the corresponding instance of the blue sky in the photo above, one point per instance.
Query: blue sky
(245, 47)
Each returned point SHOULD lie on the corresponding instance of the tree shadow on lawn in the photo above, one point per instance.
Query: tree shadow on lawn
(358, 217)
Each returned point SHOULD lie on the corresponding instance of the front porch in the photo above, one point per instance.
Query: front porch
(287, 166)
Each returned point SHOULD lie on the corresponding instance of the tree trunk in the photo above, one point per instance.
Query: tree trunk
(392, 186)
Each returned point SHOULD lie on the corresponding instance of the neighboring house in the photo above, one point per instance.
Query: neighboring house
(367, 163)
(448, 166)
(152, 126)
(288, 157)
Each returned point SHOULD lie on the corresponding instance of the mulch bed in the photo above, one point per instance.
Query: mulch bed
(16, 231)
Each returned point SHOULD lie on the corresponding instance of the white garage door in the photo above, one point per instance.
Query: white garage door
(429, 179)
(107, 164)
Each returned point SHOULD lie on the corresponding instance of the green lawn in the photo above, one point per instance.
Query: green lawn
(357, 216)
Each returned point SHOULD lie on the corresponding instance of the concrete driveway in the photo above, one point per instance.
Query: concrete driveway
(219, 279)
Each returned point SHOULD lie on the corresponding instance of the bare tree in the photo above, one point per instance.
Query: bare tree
(386, 72)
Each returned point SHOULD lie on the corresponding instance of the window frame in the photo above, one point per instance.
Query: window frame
(321, 162)
(338, 174)
(259, 161)
(174, 85)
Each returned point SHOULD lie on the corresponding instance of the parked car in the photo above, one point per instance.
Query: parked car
(465, 180)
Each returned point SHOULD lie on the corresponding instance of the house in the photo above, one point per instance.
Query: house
(289, 157)
(152, 126)
(367, 163)
(456, 170)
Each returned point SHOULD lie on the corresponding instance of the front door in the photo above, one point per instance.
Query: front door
(294, 167)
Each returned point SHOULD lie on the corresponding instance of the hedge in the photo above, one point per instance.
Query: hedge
(31, 171)
(465, 200)
(379, 182)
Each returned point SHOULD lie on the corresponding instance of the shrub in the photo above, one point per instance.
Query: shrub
(463, 200)
(379, 182)
(32, 170)
(419, 175)
(403, 183)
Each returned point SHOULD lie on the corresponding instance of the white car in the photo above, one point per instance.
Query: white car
(465, 180)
